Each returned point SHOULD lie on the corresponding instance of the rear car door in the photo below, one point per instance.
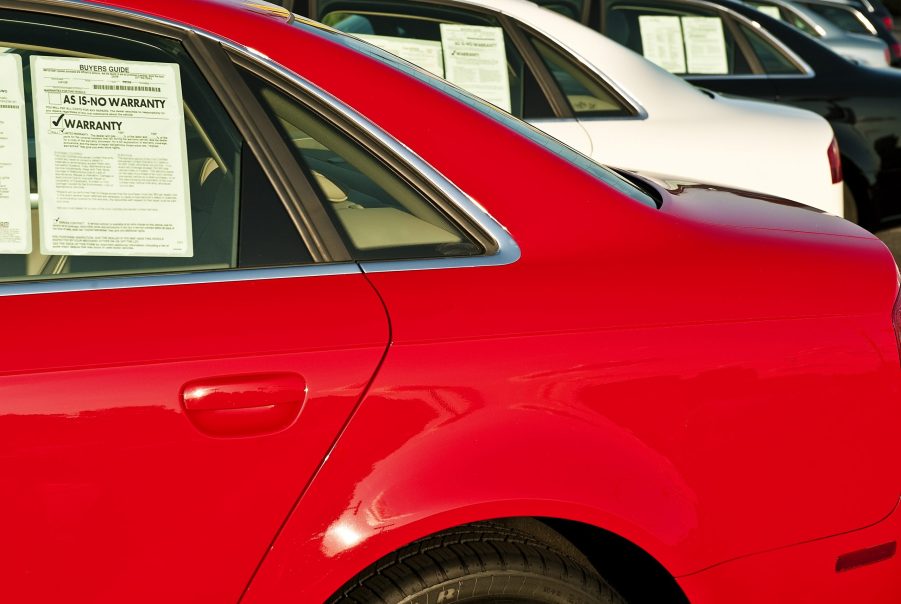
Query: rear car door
(182, 343)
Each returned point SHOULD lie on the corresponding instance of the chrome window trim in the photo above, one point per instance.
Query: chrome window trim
(231, 275)
(507, 250)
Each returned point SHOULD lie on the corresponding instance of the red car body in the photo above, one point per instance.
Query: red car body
(713, 384)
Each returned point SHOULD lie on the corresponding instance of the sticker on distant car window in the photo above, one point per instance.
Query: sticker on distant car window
(112, 158)
(15, 203)
(772, 11)
(424, 53)
(661, 41)
(476, 60)
(705, 45)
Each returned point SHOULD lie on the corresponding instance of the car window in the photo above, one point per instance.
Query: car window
(605, 175)
(467, 48)
(133, 165)
(772, 60)
(380, 216)
(586, 96)
(574, 9)
(847, 18)
(784, 14)
(685, 40)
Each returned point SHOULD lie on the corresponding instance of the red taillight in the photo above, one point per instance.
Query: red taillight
(889, 22)
(835, 161)
(888, 56)
(896, 49)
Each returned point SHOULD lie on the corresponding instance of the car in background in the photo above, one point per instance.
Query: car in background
(854, 18)
(605, 101)
(862, 49)
(767, 59)
(419, 351)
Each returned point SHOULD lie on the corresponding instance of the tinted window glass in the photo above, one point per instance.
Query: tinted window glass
(773, 61)
(571, 8)
(585, 95)
(133, 165)
(380, 216)
(551, 144)
(682, 39)
(848, 19)
(469, 49)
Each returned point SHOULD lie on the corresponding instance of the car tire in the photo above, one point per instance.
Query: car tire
(851, 212)
(484, 562)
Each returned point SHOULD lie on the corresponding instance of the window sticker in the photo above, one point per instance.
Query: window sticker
(112, 158)
(769, 10)
(661, 41)
(705, 45)
(15, 203)
(424, 53)
(475, 59)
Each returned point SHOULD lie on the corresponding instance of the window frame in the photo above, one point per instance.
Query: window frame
(213, 57)
(732, 19)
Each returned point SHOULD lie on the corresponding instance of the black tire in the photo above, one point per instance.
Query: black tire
(491, 562)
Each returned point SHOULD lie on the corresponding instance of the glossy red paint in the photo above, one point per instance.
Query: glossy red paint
(716, 381)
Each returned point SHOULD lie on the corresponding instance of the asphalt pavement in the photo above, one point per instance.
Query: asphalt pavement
(892, 238)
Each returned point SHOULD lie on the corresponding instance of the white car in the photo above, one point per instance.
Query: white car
(601, 98)
(862, 49)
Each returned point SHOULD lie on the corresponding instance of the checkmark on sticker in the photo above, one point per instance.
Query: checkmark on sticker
(58, 120)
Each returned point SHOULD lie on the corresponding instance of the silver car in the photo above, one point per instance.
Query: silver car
(863, 49)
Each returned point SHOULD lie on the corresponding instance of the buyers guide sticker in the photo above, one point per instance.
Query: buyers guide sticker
(661, 41)
(15, 205)
(705, 45)
(475, 59)
(424, 53)
(112, 158)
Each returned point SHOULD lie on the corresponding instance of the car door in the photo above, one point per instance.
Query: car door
(508, 73)
(181, 348)
(697, 41)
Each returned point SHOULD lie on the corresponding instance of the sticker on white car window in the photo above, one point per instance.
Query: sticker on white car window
(15, 204)
(772, 11)
(705, 45)
(424, 53)
(661, 41)
(112, 158)
(475, 59)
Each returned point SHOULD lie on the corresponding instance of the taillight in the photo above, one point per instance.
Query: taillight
(896, 49)
(835, 161)
(888, 57)
(889, 22)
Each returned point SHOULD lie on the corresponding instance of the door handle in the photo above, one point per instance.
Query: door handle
(244, 405)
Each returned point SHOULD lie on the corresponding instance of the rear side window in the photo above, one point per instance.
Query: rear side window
(772, 60)
(380, 216)
(847, 18)
(682, 39)
(466, 48)
(586, 97)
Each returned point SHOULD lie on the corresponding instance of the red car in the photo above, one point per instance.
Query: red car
(288, 320)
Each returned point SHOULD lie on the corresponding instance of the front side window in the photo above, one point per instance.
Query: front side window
(682, 39)
(124, 160)
(466, 48)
